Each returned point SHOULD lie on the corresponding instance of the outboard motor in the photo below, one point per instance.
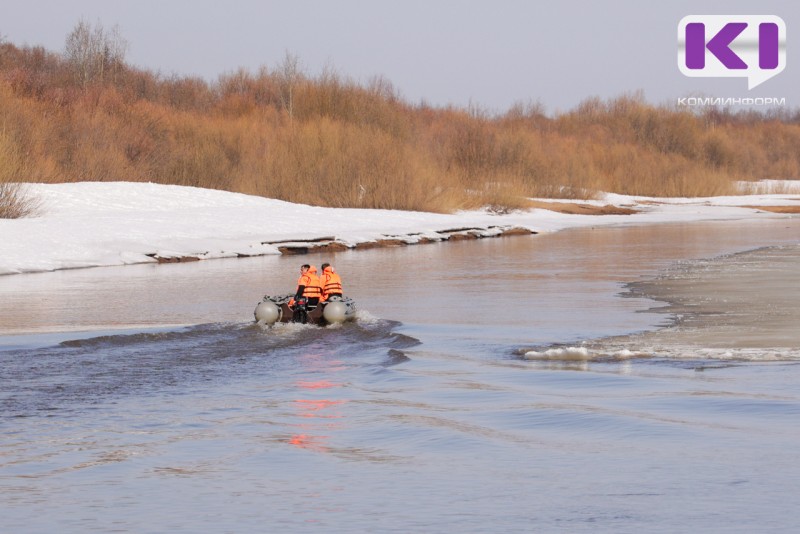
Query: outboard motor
(300, 311)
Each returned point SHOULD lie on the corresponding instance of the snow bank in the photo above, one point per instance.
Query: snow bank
(115, 223)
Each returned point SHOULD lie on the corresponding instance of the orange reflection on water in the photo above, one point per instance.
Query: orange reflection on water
(318, 384)
(307, 441)
(315, 410)
(312, 407)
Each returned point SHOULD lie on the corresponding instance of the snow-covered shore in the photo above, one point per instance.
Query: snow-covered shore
(94, 224)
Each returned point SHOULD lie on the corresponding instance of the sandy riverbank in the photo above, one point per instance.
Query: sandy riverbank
(729, 305)
(740, 306)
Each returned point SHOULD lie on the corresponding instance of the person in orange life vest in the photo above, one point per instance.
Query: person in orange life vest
(308, 286)
(330, 281)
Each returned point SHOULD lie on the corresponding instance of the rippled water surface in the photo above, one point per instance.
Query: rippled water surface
(143, 399)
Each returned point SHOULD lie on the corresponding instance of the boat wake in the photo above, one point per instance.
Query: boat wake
(90, 370)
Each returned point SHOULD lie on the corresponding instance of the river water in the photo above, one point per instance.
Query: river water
(522, 384)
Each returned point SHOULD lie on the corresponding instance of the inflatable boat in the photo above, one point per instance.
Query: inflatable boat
(276, 309)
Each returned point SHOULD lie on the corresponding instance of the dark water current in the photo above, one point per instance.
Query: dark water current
(506, 385)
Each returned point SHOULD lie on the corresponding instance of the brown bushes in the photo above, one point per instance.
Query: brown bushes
(14, 200)
(330, 141)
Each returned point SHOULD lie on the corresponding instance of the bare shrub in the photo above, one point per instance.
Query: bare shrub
(16, 202)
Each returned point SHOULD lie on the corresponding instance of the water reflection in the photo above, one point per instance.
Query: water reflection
(318, 417)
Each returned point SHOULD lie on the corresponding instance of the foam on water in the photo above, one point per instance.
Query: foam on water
(582, 354)
(607, 353)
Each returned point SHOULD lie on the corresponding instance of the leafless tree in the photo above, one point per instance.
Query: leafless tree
(96, 55)
(289, 75)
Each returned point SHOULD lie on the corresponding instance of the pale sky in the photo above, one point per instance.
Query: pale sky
(490, 54)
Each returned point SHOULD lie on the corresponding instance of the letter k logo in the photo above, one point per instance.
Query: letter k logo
(719, 45)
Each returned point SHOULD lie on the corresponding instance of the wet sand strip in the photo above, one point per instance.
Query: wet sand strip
(738, 303)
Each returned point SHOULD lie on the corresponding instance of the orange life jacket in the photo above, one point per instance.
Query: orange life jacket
(331, 283)
(313, 288)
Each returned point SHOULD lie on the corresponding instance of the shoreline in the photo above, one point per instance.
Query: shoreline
(727, 305)
(100, 224)
(332, 244)
(734, 306)
(729, 308)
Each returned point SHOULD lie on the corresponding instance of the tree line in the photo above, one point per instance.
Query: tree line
(85, 114)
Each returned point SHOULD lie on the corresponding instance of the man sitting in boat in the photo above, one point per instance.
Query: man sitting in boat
(308, 287)
(330, 281)
(305, 306)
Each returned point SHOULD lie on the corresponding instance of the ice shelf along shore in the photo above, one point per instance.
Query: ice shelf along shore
(93, 224)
